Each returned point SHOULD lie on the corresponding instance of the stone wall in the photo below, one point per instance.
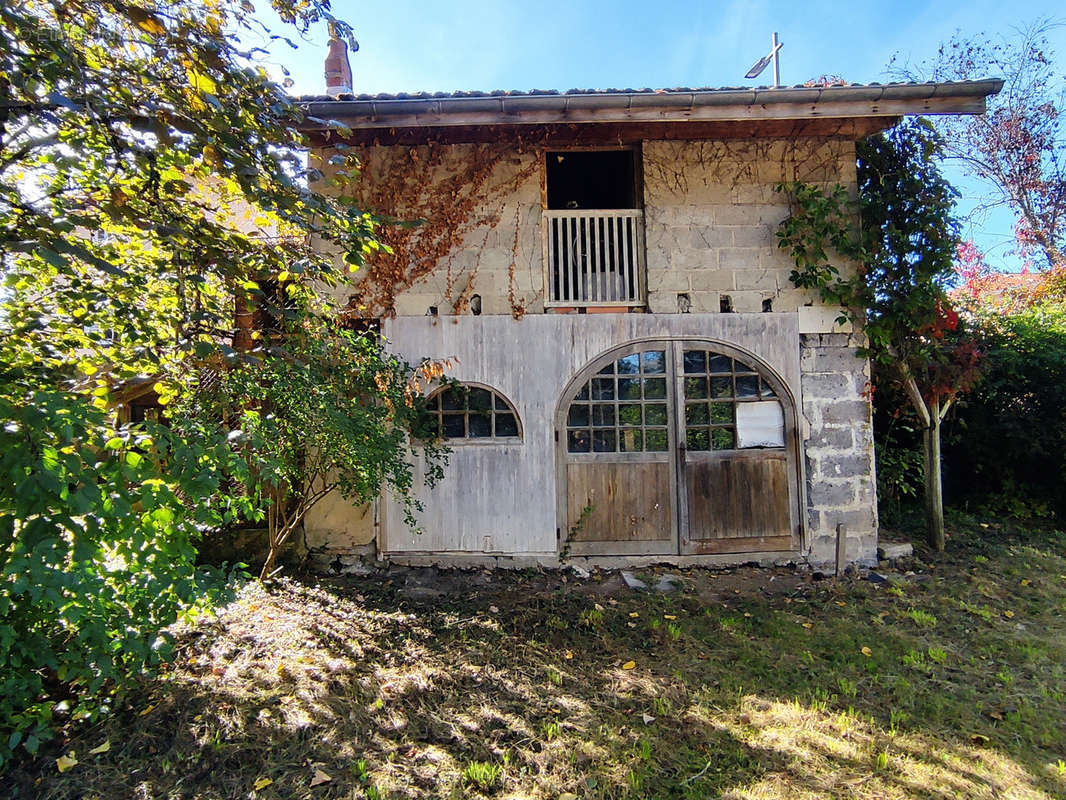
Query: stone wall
(838, 446)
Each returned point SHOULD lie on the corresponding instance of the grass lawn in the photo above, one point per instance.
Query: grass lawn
(948, 683)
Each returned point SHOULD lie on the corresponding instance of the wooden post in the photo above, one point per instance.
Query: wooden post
(842, 548)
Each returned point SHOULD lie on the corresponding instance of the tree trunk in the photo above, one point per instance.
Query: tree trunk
(934, 494)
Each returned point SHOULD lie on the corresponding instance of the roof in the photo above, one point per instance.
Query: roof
(441, 109)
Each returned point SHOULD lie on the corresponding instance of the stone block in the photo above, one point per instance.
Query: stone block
(852, 465)
(712, 280)
(835, 438)
(753, 236)
(890, 552)
(835, 359)
(705, 237)
(704, 302)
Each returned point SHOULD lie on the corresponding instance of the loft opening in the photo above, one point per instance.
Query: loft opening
(593, 179)
(594, 229)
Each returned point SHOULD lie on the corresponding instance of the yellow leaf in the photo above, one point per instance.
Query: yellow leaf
(669, 616)
(568, 655)
(147, 710)
(101, 749)
(629, 665)
(840, 603)
(634, 614)
(1008, 614)
(148, 23)
(866, 651)
(283, 276)
(201, 82)
(261, 783)
(1026, 581)
(63, 763)
(320, 778)
(807, 625)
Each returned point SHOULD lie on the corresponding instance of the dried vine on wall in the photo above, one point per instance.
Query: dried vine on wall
(437, 197)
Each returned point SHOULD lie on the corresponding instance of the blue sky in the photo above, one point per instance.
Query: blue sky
(470, 44)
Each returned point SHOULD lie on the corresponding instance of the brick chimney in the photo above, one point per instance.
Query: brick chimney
(338, 70)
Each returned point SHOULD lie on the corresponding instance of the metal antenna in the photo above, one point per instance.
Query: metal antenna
(762, 63)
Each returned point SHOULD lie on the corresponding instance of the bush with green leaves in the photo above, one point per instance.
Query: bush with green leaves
(97, 555)
(1005, 448)
(321, 411)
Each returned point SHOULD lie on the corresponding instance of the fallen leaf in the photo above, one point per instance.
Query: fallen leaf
(629, 665)
(648, 719)
(808, 625)
(840, 603)
(147, 710)
(866, 651)
(568, 655)
(262, 783)
(669, 616)
(746, 614)
(1026, 581)
(101, 749)
(979, 738)
(320, 778)
(494, 610)
(631, 624)
(634, 614)
(598, 607)
(568, 796)
(1008, 614)
(63, 763)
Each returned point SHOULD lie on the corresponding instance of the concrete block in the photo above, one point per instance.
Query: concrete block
(890, 552)
(828, 494)
(828, 385)
(757, 279)
(846, 412)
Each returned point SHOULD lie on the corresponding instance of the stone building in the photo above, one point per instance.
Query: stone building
(644, 383)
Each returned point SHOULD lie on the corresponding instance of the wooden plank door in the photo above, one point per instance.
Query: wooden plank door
(618, 454)
(735, 470)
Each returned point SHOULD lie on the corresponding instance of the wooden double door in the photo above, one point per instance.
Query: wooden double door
(678, 447)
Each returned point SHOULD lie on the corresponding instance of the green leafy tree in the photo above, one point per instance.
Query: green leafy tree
(151, 177)
(902, 236)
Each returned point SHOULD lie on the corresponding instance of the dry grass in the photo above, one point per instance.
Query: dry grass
(949, 685)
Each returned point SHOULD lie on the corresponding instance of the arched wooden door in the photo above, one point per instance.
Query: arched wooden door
(678, 447)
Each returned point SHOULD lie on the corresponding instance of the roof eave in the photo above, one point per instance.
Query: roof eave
(676, 106)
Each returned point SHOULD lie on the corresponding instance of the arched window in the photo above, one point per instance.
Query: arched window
(473, 412)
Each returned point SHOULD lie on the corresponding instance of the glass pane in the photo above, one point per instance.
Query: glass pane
(454, 426)
(578, 416)
(629, 415)
(722, 438)
(654, 362)
(696, 439)
(655, 414)
(603, 416)
(480, 399)
(583, 394)
(629, 388)
(577, 442)
(630, 365)
(722, 413)
(452, 399)
(603, 442)
(654, 388)
(506, 425)
(480, 426)
(603, 388)
(766, 390)
(433, 404)
(720, 364)
(721, 387)
(608, 370)
(747, 386)
(695, 388)
(695, 361)
(696, 414)
(655, 440)
(743, 367)
(630, 441)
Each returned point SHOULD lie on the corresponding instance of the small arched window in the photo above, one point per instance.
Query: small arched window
(474, 413)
